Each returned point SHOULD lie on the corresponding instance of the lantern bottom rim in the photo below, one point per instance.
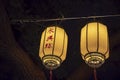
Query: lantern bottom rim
(51, 62)
(94, 59)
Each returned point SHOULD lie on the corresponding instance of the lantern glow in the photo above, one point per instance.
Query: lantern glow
(94, 44)
(53, 46)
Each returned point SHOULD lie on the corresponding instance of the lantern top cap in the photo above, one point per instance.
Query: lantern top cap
(94, 22)
(55, 26)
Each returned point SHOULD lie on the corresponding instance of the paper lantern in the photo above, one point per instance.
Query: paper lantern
(53, 47)
(94, 44)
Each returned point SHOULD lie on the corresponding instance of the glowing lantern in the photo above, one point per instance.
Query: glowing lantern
(94, 44)
(53, 47)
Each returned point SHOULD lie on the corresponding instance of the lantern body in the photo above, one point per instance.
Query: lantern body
(53, 46)
(94, 44)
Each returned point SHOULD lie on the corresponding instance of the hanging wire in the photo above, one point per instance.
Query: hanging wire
(62, 17)
(50, 74)
(58, 19)
(95, 74)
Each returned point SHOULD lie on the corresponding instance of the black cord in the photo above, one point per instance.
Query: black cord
(61, 19)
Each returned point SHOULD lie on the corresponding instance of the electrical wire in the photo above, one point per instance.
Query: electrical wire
(61, 19)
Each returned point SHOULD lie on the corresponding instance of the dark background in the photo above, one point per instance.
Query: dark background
(28, 34)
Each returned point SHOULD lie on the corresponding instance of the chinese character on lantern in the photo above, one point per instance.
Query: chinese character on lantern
(48, 45)
(49, 38)
(51, 30)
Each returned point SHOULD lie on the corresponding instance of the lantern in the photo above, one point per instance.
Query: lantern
(53, 47)
(94, 44)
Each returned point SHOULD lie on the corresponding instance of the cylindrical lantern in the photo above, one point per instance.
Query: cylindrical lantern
(53, 47)
(94, 44)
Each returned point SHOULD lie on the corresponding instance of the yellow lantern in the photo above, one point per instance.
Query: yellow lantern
(53, 47)
(94, 44)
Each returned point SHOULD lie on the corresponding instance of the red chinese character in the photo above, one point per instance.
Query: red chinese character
(48, 45)
(51, 30)
(49, 38)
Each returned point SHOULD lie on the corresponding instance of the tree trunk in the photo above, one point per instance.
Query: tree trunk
(15, 63)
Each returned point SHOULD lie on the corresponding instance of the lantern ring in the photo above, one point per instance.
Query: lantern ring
(94, 59)
(51, 61)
